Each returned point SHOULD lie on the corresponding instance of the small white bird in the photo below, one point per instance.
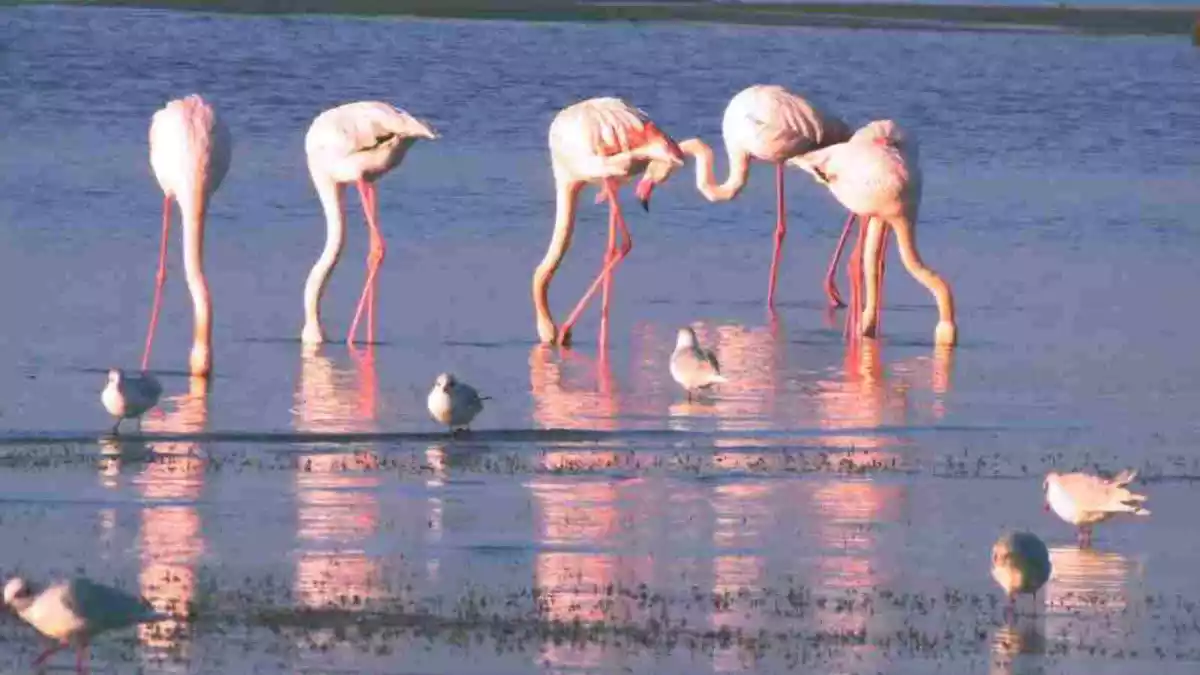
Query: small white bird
(692, 366)
(128, 396)
(1083, 499)
(75, 611)
(454, 403)
(1020, 564)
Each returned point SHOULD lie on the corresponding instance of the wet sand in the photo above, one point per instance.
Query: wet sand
(1060, 18)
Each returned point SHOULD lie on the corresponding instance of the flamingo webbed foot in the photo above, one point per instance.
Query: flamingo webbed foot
(946, 333)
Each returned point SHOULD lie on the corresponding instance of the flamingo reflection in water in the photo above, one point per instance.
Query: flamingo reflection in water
(172, 537)
(335, 502)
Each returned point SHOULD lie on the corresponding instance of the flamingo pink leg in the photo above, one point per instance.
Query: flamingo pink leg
(856, 282)
(54, 649)
(607, 286)
(780, 232)
(159, 280)
(366, 191)
(81, 659)
(883, 240)
(835, 298)
(609, 264)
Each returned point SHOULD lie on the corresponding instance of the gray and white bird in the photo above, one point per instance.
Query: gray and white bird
(73, 612)
(1083, 500)
(1020, 564)
(129, 396)
(454, 403)
(692, 366)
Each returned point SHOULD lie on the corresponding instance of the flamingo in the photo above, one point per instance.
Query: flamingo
(877, 175)
(604, 141)
(190, 151)
(771, 124)
(353, 143)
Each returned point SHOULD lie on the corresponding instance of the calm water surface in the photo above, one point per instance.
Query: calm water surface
(830, 510)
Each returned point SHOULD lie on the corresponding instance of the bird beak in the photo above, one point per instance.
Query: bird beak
(643, 190)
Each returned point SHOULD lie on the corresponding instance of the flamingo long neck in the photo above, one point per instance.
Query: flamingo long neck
(335, 235)
(739, 170)
(566, 198)
(193, 212)
(906, 239)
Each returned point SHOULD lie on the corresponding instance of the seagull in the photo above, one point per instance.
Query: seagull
(454, 403)
(75, 611)
(1083, 499)
(692, 366)
(129, 396)
(1020, 564)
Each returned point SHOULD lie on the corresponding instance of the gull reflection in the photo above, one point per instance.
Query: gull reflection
(337, 510)
(1091, 594)
(1019, 647)
(172, 540)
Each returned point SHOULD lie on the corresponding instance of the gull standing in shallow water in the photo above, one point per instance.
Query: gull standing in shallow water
(1084, 500)
(692, 366)
(73, 612)
(454, 403)
(129, 396)
(1020, 564)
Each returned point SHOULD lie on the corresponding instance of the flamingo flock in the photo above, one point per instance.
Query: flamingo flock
(873, 172)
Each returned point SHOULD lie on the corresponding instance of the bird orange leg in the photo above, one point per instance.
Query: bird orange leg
(366, 191)
(159, 280)
(835, 298)
(883, 240)
(54, 649)
(780, 232)
(609, 264)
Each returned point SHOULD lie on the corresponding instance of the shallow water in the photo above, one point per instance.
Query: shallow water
(831, 509)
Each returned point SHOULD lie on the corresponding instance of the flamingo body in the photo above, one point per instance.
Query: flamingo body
(190, 153)
(602, 141)
(877, 175)
(771, 124)
(353, 143)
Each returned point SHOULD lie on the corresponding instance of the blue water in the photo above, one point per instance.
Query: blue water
(1060, 200)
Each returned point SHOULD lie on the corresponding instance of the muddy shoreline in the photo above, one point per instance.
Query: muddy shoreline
(1060, 18)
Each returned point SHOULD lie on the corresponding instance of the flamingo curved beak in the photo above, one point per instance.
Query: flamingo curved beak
(643, 190)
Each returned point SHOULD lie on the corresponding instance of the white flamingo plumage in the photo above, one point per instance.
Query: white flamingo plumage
(604, 141)
(770, 124)
(353, 143)
(190, 153)
(877, 175)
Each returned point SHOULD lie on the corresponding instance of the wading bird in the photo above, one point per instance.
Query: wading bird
(73, 612)
(454, 403)
(877, 175)
(770, 124)
(353, 143)
(693, 366)
(126, 396)
(1020, 564)
(190, 150)
(604, 141)
(1084, 500)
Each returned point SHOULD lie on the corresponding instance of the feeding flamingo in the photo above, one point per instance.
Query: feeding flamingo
(771, 124)
(190, 151)
(605, 141)
(877, 175)
(353, 143)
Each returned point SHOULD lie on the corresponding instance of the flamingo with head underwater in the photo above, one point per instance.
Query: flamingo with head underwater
(353, 143)
(770, 124)
(190, 152)
(877, 175)
(604, 141)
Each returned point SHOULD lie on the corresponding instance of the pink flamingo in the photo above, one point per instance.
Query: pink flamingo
(771, 124)
(190, 151)
(877, 175)
(353, 143)
(605, 141)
